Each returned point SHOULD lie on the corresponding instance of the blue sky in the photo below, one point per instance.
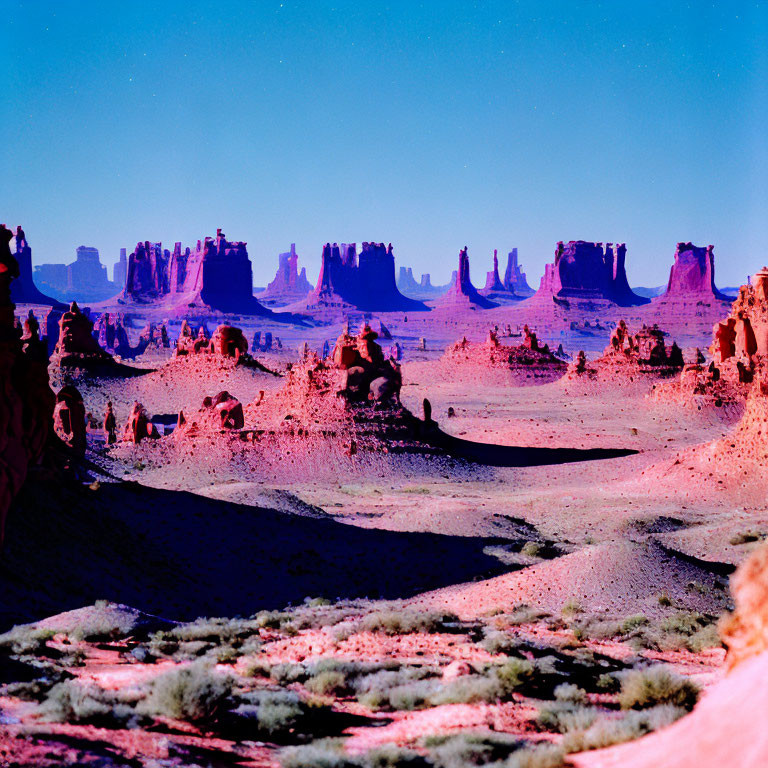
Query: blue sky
(431, 125)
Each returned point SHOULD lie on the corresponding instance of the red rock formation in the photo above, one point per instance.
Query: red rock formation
(367, 283)
(69, 419)
(629, 356)
(221, 413)
(139, 425)
(585, 276)
(514, 277)
(76, 347)
(23, 289)
(497, 364)
(495, 289)
(693, 273)
(289, 284)
(462, 294)
(26, 399)
(217, 275)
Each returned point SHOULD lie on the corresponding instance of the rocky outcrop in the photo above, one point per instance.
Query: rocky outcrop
(221, 413)
(739, 353)
(77, 347)
(23, 288)
(26, 399)
(289, 284)
(462, 294)
(514, 277)
(366, 282)
(630, 357)
(494, 363)
(85, 279)
(585, 275)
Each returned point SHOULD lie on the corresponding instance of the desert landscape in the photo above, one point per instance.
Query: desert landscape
(360, 529)
(482, 486)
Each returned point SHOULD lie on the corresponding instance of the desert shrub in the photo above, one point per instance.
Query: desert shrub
(563, 716)
(570, 693)
(469, 689)
(374, 689)
(316, 756)
(645, 688)
(71, 702)
(571, 607)
(287, 673)
(192, 692)
(746, 537)
(539, 756)
(608, 682)
(606, 731)
(219, 631)
(26, 640)
(664, 599)
(272, 619)
(496, 642)
(468, 749)
(407, 621)
(328, 682)
(514, 675)
(331, 755)
(273, 713)
(531, 549)
(525, 614)
(632, 623)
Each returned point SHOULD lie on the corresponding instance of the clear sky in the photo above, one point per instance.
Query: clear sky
(431, 125)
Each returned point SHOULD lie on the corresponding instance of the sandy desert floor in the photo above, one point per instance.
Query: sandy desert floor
(445, 611)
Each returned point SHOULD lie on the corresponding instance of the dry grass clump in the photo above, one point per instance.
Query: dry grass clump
(26, 640)
(73, 702)
(408, 621)
(645, 688)
(605, 731)
(191, 692)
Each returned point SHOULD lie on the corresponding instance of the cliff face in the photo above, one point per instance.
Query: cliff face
(585, 271)
(24, 290)
(366, 282)
(26, 399)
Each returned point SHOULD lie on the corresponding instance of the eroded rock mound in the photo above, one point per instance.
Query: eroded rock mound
(629, 356)
(495, 289)
(739, 353)
(495, 363)
(77, 347)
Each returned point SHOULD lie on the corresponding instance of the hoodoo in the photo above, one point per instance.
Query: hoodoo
(495, 289)
(462, 292)
(514, 277)
(289, 284)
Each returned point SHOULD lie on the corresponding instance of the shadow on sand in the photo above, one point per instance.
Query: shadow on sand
(180, 555)
(493, 455)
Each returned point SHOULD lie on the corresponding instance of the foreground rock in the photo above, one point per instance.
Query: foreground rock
(26, 399)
